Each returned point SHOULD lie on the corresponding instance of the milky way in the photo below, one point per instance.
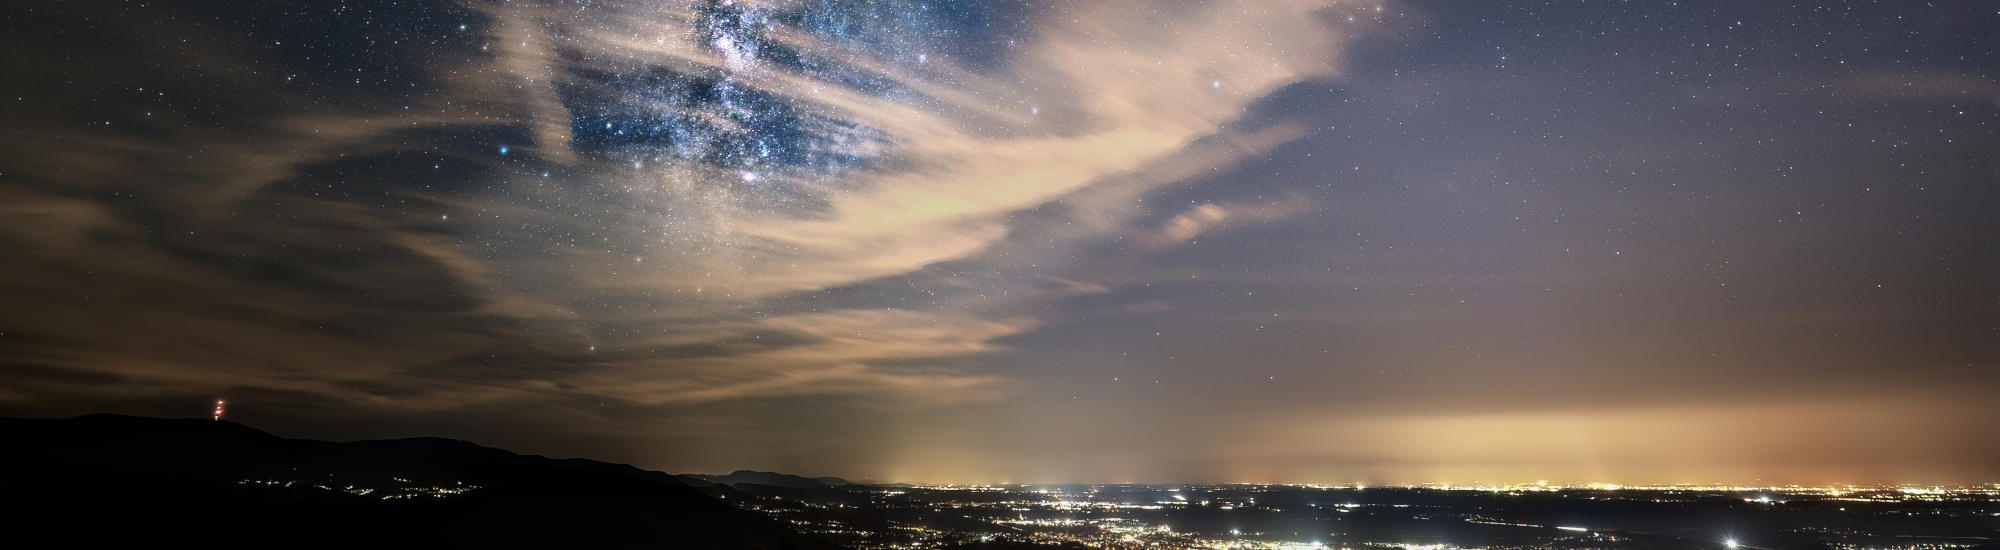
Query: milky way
(1282, 240)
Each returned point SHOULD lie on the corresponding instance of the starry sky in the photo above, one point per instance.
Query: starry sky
(1314, 241)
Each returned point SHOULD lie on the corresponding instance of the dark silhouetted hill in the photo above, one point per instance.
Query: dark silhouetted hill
(767, 478)
(103, 480)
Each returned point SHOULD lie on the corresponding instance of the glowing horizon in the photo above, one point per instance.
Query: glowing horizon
(1329, 241)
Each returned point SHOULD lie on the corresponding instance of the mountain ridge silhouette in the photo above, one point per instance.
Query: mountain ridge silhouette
(103, 479)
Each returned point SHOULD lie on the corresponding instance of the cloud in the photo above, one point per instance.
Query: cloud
(684, 182)
(1119, 98)
(530, 62)
(1210, 216)
(839, 352)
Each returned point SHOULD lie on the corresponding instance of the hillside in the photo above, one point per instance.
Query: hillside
(99, 480)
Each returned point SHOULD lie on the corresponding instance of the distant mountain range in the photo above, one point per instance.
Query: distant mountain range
(765, 478)
(103, 480)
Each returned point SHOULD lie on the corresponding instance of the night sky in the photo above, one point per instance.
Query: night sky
(1314, 241)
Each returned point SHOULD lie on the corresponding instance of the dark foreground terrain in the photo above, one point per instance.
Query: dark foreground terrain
(107, 480)
(102, 481)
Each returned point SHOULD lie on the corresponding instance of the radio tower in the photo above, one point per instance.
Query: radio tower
(218, 410)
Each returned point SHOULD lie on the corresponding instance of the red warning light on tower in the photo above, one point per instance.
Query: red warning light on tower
(218, 409)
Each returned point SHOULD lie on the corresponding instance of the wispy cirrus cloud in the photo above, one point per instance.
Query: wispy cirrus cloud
(1211, 216)
(636, 203)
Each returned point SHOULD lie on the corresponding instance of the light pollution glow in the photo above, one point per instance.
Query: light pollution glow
(1330, 241)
